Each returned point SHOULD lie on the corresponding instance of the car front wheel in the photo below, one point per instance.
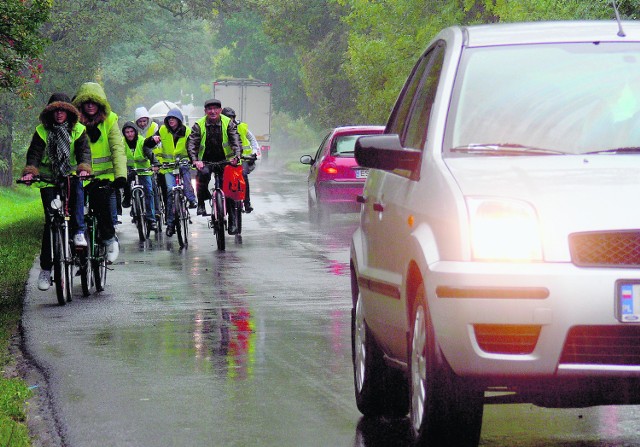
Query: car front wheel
(379, 389)
(445, 411)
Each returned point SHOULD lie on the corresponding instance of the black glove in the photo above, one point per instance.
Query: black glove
(120, 182)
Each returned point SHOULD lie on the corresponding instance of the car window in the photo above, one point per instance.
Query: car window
(554, 98)
(417, 98)
(322, 145)
(344, 145)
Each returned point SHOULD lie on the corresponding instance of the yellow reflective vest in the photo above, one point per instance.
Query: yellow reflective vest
(168, 151)
(136, 158)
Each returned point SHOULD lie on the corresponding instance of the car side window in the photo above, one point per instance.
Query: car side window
(319, 151)
(410, 119)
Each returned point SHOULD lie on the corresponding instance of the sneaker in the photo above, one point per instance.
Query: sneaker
(170, 230)
(79, 240)
(44, 280)
(152, 225)
(247, 207)
(202, 211)
(192, 204)
(126, 203)
(113, 249)
(119, 219)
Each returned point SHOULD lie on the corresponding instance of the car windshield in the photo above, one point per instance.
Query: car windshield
(345, 145)
(546, 99)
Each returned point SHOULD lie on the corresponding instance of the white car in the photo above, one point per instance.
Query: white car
(498, 253)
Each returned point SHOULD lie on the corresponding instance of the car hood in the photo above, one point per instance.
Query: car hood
(572, 193)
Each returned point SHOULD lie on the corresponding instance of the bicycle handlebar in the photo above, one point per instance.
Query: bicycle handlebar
(50, 180)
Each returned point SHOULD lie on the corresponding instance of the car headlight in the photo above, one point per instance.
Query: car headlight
(504, 230)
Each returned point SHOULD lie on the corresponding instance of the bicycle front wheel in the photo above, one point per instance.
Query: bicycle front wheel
(60, 267)
(99, 267)
(180, 217)
(138, 214)
(219, 224)
(86, 274)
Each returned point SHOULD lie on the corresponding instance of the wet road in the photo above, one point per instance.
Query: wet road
(245, 347)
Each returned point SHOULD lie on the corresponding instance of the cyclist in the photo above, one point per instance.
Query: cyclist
(250, 146)
(143, 123)
(140, 156)
(173, 137)
(109, 161)
(59, 147)
(214, 137)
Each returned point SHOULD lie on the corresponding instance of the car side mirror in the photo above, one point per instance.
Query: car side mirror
(306, 160)
(386, 153)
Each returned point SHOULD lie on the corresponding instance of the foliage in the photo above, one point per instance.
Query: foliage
(20, 232)
(21, 44)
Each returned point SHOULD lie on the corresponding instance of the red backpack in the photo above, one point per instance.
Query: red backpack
(233, 184)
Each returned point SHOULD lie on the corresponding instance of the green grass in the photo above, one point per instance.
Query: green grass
(21, 224)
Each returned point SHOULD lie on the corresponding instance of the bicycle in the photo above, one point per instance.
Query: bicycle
(159, 203)
(139, 205)
(182, 218)
(219, 209)
(63, 253)
(96, 267)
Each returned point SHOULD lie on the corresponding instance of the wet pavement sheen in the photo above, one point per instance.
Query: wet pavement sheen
(250, 346)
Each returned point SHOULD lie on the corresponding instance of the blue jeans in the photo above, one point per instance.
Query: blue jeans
(145, 181)
(185, 172)
(171, 182)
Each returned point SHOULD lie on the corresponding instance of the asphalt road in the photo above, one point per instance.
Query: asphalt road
(247, 347)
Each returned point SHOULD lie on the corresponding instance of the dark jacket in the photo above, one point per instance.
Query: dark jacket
(37, 148)
(213, 145)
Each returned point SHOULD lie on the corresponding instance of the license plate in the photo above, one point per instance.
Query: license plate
(628, 301)
(362, 173)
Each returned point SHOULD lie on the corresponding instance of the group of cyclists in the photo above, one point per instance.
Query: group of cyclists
(79, 140)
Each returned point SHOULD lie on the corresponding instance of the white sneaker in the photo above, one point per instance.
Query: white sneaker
(79, 240)
(44, 280)
(113, 250)
(119, 219)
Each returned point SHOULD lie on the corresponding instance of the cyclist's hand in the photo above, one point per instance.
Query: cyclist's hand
(156, 139)
(120, 182)
(198, 164)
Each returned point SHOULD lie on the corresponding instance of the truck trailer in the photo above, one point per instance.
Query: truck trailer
(251, 100)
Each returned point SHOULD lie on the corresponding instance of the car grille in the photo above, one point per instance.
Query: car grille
(605, 249)
(507, 339)
(602, 345)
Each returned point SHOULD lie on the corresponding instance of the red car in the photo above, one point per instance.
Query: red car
(335, 179)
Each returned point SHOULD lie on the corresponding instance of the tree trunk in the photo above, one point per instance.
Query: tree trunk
(6, 144)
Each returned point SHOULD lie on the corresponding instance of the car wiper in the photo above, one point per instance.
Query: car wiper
(617, 150)
(504, 149)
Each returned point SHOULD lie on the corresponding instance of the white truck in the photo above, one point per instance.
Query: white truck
(251, 99)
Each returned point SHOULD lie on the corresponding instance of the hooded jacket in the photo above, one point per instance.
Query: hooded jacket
(107, 148)
(139, 151)
(37, 158)
(151, 128)
(173, 140)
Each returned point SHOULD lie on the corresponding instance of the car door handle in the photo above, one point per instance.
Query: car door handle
(378, 207)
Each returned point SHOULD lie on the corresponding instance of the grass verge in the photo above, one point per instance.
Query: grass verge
(20, 234)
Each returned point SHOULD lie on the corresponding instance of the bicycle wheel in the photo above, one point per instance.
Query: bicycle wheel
(219, 223)
(179, 218)
(60, 276)
(138, 214)
(99, 266)
(86, 274)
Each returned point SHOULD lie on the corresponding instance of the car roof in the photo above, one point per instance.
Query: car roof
(548, 32)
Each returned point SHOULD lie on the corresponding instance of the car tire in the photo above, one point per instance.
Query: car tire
(445, 410)
(379, 389)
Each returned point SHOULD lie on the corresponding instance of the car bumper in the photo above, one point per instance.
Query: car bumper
(340, 195)
(517, 320)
